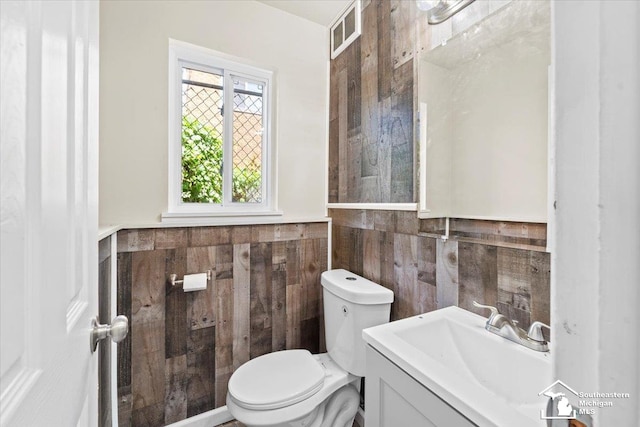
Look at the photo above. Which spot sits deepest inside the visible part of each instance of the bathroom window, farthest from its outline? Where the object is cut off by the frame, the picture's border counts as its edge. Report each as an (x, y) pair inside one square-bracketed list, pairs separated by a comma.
[(346, 28), (219, 134)]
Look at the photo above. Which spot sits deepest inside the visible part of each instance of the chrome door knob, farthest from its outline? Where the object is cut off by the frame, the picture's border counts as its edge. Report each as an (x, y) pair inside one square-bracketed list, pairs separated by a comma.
[(117, 330)]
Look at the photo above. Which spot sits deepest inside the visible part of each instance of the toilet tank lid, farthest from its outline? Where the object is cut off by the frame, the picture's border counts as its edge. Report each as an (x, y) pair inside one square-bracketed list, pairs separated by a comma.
[(354, 288)]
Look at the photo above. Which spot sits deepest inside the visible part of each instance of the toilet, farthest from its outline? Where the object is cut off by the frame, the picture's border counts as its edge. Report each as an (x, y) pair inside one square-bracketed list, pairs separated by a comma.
[(294, 388)]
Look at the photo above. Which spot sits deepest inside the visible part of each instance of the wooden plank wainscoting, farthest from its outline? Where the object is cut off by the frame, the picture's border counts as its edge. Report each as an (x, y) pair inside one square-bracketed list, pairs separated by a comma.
[(503, 264), (264, 296)]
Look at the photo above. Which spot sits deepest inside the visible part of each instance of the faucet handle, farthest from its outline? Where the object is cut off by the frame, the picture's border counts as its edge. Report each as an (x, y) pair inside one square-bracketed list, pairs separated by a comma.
[(535, 331), (494, 311)]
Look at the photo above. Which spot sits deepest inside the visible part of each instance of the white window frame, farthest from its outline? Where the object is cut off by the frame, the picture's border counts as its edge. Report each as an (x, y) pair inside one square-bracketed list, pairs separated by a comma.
[(182, 54), (357, 7)]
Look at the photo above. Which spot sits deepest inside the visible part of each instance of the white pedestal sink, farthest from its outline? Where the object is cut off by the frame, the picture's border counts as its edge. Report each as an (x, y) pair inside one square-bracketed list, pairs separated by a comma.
[(487, 379)]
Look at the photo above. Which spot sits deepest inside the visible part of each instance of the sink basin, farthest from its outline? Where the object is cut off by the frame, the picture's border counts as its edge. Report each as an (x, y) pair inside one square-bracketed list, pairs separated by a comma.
[(490, 380)]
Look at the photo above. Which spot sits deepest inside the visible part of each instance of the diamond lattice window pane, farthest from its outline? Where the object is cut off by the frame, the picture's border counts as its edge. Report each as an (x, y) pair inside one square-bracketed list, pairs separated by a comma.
[(247, 141), (202, 136)]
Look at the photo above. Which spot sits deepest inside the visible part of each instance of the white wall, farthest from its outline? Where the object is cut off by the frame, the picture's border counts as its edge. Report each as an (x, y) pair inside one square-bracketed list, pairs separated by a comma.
[(595, 269), (133, 97)]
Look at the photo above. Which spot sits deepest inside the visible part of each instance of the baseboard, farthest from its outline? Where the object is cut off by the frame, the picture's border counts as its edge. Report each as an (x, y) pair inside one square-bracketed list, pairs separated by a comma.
[(212, 418)]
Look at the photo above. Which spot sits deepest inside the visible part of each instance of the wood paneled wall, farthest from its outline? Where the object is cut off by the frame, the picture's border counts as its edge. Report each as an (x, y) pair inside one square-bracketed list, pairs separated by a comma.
[(503, 264), (371, 128), (372, 159), (264, 296)]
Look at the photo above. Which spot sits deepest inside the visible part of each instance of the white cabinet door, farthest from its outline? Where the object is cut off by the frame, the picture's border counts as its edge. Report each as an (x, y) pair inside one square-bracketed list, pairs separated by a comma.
[(393, 398), (48, 200)]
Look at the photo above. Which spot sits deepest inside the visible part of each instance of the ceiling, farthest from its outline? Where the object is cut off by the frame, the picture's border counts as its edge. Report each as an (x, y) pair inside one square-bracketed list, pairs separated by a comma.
[(322, 12)]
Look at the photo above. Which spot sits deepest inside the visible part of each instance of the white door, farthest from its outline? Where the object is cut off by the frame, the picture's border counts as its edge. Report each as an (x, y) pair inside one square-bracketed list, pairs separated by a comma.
[(48, 167)]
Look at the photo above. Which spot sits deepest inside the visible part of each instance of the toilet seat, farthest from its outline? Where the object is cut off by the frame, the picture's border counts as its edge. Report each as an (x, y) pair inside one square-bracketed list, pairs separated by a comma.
[(335, 378), (276, 380)]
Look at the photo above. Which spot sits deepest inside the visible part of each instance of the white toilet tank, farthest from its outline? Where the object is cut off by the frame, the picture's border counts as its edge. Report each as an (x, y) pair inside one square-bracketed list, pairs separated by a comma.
[(351, 304)]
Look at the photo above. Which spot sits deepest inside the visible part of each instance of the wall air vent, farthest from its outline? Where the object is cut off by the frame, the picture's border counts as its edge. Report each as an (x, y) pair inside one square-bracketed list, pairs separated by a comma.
[(346, 28)]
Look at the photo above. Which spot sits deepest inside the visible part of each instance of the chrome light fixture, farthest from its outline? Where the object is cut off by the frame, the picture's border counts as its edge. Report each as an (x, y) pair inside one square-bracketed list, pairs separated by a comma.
[(440, 10)]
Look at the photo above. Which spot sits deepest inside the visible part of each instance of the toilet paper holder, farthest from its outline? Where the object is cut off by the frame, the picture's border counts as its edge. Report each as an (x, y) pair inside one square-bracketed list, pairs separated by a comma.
[(173, 279)]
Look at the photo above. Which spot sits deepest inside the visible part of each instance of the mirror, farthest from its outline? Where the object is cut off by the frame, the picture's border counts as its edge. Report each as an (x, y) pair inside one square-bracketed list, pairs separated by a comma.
[(484, 113)]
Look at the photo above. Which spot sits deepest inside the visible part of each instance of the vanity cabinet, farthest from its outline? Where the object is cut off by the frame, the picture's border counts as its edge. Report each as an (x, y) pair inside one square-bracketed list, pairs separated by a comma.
[(393, 398)]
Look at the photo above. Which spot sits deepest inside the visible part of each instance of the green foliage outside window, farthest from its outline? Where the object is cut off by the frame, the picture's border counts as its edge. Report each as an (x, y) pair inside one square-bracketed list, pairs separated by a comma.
[(201, 163), (202, 168), (246, 184)]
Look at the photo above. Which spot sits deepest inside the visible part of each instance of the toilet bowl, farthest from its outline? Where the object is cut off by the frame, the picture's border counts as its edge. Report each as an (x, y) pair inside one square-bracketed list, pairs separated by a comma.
[(271, 399), (295, 388)]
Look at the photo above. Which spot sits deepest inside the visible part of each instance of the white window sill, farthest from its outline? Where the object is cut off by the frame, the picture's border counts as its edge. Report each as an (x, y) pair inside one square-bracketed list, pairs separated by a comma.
[(222, 218)]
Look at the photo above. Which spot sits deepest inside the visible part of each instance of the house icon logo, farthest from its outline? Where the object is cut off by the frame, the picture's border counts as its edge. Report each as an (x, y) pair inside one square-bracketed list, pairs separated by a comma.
[(558, 392)]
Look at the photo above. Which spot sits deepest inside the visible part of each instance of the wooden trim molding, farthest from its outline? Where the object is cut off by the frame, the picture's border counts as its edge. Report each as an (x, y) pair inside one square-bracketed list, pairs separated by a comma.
[(375, 206)]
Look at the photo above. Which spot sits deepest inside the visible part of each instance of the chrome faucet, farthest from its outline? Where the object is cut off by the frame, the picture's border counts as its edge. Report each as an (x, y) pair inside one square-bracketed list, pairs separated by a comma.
[(500, 325)]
